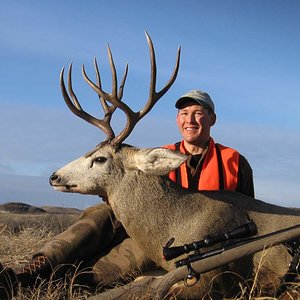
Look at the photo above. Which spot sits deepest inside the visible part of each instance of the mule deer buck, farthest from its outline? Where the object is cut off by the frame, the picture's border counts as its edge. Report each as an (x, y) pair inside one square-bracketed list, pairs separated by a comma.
[(150, 206)]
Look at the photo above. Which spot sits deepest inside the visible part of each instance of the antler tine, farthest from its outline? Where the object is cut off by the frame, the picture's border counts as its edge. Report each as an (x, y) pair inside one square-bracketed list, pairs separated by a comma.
[(108, 109), (120, 94), (134, 117), (113, 73), (70, 88), (115, 97), (153, 95), (75, 107)]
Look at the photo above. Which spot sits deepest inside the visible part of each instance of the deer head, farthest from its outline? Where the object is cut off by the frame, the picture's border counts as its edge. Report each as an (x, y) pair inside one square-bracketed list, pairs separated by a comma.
[(94, 172)]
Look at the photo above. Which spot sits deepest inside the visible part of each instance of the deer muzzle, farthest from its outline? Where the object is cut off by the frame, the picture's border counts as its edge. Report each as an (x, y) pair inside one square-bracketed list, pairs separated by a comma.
[(57, 183)]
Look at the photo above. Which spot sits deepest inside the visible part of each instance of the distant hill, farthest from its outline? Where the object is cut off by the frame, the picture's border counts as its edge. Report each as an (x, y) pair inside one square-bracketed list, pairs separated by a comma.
[(23, 208), (61, 210), (19, 207)]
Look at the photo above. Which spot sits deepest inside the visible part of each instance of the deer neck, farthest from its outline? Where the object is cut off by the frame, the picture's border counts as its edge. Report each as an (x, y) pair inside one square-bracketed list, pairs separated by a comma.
[(135, 192)]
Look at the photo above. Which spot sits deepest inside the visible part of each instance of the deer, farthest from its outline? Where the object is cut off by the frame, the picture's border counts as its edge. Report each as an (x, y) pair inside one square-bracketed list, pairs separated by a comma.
[(151, 207)]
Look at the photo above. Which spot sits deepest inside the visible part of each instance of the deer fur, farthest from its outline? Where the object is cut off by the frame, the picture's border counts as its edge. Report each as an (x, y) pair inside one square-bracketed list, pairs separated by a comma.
[(153, 209)]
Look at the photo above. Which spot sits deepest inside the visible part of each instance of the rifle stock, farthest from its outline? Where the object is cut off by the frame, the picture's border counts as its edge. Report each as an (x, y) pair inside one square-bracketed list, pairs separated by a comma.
[(158, 287)]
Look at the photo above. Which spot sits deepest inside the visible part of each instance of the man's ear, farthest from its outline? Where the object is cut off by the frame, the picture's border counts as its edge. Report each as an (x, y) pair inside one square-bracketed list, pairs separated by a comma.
[(177, 116), (213, 119)]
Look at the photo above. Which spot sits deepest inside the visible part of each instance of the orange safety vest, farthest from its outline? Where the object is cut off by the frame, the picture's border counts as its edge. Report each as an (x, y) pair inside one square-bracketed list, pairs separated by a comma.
[(219, 170)]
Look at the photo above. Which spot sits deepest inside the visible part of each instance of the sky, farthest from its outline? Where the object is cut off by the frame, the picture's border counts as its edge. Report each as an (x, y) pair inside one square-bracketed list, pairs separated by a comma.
[(245, 54)]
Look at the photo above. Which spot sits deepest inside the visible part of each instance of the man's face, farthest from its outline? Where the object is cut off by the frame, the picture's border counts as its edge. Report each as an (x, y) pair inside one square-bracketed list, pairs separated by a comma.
[(194, 123)]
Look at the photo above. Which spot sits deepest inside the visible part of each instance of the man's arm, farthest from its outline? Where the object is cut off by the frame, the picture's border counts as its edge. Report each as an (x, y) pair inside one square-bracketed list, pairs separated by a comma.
[(245, 178)]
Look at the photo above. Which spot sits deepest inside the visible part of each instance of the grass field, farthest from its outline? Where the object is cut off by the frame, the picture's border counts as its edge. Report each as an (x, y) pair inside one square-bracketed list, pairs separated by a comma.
[(21, 235)]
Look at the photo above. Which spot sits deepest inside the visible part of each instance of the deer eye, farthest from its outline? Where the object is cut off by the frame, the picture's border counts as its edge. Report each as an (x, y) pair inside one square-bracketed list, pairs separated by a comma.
[(100, 159)]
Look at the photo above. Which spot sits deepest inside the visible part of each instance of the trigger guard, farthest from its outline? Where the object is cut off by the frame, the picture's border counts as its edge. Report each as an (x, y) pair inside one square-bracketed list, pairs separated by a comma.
[(191, 278)]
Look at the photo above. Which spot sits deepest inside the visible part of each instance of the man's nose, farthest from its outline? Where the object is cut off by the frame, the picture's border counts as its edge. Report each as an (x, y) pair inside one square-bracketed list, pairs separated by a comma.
[(190, 118)]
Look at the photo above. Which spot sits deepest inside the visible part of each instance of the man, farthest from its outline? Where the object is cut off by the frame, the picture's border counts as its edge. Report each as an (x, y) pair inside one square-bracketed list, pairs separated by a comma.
[(210, 166), (99, 242)]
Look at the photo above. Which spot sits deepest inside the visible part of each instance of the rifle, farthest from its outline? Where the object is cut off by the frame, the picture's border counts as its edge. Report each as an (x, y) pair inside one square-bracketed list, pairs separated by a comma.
[(229, 239), (159, 286)]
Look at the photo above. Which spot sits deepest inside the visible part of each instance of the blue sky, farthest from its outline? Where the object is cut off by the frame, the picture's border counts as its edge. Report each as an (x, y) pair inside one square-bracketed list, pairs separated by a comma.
[(245, 54)]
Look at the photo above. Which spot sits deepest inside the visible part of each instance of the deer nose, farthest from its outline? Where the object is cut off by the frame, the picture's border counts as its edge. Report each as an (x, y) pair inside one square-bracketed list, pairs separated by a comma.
[(54, 179)]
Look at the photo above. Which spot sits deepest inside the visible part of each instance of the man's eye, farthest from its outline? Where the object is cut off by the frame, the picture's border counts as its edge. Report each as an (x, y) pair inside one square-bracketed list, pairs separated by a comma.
[(100, 159)]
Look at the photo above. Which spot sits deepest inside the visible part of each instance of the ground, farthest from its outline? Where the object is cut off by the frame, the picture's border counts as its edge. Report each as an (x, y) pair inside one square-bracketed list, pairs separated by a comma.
[(23, 233)]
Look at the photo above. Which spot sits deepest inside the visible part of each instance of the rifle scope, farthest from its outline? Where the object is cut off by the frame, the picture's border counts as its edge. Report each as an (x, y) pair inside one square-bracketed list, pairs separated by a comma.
[(247, 230)]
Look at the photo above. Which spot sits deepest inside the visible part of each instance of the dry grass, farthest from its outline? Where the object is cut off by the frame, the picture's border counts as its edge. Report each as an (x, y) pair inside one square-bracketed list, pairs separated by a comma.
[(21, 235)]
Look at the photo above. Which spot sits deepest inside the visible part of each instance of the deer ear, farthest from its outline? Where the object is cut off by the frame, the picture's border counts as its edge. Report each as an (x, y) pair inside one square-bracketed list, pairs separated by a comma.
[(158, 161)]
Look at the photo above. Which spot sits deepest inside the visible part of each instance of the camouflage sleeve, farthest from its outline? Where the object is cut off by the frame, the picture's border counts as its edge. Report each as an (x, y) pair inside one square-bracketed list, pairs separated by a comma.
[(125, 261), (95, 230)]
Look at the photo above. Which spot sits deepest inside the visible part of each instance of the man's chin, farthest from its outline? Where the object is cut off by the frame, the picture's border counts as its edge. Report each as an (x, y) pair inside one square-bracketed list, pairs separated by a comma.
[(193, 141)]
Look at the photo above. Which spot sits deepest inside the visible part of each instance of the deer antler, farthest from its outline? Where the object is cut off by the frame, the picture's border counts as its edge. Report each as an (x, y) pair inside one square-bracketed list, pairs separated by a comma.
[(115, 97), (75, 107)]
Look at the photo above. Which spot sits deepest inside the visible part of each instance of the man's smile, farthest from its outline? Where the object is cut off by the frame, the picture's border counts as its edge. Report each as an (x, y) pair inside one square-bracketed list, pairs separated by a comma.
[(191, 128)]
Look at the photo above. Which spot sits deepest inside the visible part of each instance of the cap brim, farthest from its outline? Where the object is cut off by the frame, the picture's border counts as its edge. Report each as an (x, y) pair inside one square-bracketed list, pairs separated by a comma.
[(185, 100)]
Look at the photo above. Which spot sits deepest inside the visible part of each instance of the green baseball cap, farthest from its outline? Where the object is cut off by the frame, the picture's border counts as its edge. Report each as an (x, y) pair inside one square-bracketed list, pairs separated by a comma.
[(198, 96)]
